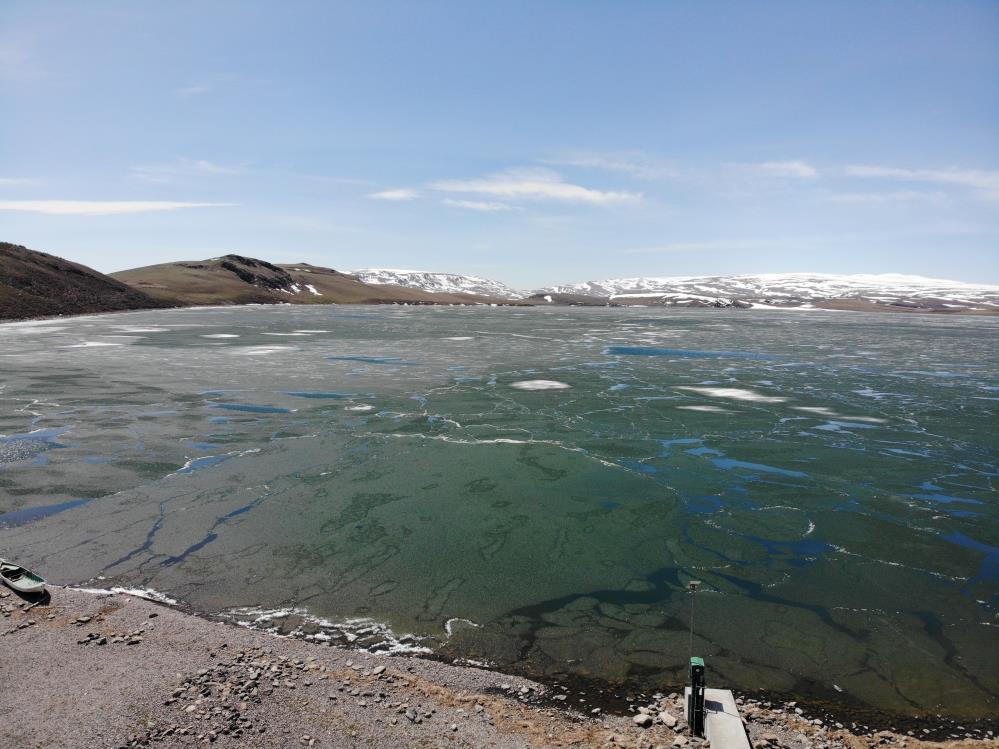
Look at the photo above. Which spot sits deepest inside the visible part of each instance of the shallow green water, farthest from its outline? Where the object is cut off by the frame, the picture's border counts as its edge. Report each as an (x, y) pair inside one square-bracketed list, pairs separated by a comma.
[(831, 477)]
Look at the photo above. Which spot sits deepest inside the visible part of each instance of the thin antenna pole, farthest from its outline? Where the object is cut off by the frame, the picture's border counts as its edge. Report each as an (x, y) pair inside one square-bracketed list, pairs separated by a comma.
[(692, 596), (692, 586)]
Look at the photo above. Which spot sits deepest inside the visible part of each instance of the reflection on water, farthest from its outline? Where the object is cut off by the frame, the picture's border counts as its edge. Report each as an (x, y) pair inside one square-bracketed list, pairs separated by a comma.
[(532, 488)]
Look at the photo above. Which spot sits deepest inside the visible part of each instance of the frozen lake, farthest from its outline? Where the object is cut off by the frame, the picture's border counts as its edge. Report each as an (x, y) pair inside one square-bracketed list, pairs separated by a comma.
[(532, 488)]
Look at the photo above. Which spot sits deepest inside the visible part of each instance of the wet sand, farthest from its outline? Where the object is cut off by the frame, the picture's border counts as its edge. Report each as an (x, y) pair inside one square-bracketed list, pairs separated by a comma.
[(85, 669)]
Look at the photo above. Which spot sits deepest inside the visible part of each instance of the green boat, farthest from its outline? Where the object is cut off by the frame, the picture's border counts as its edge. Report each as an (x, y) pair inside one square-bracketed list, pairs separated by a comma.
[(20, 579)]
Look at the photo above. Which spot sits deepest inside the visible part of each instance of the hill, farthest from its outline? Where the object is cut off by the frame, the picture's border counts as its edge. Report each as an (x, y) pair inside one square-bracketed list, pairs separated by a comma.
[(437, 283), (868, 292), (36, 284), (234, 279)]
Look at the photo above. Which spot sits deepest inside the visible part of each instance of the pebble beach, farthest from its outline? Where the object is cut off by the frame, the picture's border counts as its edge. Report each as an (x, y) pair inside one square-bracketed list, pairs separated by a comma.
[(102, 669)]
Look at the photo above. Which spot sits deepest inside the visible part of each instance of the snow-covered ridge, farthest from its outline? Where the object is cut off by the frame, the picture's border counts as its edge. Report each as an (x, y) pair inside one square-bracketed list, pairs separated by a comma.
[(794, 289), (438, 283)]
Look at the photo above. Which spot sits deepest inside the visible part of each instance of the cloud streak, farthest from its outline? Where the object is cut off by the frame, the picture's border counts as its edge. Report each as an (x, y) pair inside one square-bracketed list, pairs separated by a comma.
[(794, 168), (398, 195), (634, 165), (478, 205), (99, 207), (977, 179), (19, 182), (531, 185), (162, 173)]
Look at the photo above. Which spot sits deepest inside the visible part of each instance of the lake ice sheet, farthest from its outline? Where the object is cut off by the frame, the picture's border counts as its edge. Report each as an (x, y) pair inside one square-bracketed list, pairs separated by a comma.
[(380, 474)]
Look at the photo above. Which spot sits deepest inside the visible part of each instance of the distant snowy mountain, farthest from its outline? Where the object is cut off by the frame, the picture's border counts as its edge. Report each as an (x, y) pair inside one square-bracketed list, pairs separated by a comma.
[(438, 283), (790, 290)]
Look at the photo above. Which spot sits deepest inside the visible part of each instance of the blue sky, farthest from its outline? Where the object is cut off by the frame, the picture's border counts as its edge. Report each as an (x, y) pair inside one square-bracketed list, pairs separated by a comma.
[(534, 143)]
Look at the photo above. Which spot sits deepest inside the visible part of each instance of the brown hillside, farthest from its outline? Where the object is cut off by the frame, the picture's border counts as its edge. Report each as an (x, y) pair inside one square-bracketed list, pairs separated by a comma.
[(234, 279), (36, 284)]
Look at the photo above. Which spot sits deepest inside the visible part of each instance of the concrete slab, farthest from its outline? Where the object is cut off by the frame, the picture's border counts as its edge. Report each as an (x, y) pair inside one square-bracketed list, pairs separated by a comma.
[(722, 722)]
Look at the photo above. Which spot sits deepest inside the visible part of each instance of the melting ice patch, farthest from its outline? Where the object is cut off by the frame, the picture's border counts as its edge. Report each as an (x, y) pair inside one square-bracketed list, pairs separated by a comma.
[(264, 350), (707, 409), (28, 515), (148, 593), (220, 335), (366, 634), (250, 408), (449, 624), (92, 344), (738, 394), (830, 414), (207, 461), (540, 385), (683, 353), (373, 360)]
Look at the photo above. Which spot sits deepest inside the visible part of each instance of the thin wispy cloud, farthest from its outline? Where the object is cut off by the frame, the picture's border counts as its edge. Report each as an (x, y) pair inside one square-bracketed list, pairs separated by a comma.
[(635, 165), (977, 179), (185, 168), (399, 194), (794, 168), (20, 182), (478, 205), (533, 184), (99, 207)]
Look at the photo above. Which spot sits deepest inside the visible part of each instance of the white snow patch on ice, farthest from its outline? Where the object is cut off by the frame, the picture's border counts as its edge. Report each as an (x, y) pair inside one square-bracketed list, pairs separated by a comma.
[(264, 350), (829, 413), (737, 394), (540, 385), (706, 409)]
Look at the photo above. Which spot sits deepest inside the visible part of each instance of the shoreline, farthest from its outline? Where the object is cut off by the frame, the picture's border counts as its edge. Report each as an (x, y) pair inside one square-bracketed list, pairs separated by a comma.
[(111, 669), (611, 698), (516, 304)]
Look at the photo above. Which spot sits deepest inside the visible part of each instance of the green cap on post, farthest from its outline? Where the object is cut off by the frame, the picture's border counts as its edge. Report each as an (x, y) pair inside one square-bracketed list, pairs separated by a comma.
[(697, 670)]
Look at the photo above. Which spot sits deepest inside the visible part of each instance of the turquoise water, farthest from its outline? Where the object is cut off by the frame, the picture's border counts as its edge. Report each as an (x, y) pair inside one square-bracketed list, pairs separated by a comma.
[(533, 488)]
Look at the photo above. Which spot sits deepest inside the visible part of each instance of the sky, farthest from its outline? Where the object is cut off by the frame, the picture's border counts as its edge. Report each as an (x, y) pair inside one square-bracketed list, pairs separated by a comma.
[(535, 142)]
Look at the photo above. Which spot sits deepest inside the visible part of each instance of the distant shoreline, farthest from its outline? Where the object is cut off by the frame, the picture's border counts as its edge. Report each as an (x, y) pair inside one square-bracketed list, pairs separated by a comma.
[(671, 310)]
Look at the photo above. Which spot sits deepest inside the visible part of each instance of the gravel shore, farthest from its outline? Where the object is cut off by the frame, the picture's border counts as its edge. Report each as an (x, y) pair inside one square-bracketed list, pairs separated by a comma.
[(85, 669)]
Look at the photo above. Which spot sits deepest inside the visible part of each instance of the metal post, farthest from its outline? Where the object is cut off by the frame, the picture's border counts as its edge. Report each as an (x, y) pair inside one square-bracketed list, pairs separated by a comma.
[(695, 703)]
